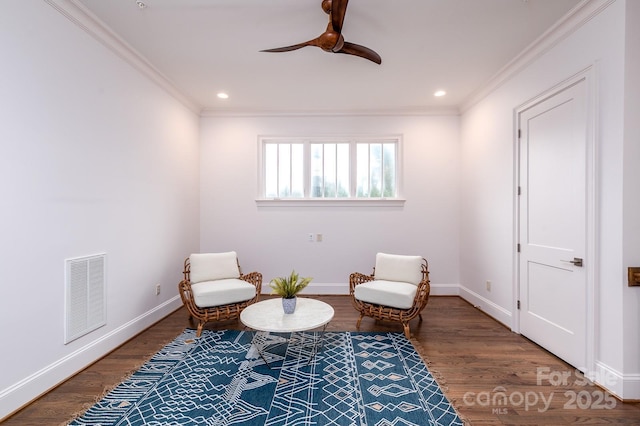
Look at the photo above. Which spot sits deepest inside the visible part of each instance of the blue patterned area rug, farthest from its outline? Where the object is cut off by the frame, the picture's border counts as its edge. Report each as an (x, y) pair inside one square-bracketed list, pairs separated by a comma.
[(221, 379)]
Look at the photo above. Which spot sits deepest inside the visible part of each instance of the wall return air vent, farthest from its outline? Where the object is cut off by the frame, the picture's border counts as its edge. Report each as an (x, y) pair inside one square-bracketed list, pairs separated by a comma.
[(85, 299)]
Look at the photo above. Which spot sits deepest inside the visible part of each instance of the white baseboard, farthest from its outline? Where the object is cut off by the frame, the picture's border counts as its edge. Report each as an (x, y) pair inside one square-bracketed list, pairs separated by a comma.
[(631, 387), (624, 386), (327, 288), (608, 378), (23, 392), (343, 289), (318, 289), (497, 312), (445, 290)]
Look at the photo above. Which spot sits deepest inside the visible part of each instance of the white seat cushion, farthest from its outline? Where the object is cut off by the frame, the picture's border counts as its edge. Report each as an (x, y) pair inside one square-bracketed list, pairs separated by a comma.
[(387, 293), (395, 267), (213, 266), (222, 292)]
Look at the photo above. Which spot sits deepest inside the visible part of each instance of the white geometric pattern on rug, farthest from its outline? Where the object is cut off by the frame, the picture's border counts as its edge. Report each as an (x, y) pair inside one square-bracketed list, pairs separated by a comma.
[(374, 379), (402, 406), (391, 390)]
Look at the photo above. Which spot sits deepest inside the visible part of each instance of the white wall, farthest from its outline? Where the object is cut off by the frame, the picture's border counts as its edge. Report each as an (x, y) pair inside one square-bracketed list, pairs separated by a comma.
[(95, 158), (273, 240), (487, 219), (631, 224)]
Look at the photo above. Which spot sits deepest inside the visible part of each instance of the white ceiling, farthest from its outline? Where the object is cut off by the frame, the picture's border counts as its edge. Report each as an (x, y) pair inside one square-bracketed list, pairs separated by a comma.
[(207, 46)]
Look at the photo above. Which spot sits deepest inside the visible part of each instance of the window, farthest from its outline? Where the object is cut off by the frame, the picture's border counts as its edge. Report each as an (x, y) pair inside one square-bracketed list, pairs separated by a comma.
[(329, 168)]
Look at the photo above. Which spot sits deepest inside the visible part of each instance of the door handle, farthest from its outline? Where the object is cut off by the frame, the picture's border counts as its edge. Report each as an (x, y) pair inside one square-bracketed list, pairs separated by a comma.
[(576, 261)]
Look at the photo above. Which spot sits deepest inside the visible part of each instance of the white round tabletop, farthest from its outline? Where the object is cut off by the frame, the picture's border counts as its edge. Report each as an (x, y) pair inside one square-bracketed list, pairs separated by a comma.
[(268, 315)]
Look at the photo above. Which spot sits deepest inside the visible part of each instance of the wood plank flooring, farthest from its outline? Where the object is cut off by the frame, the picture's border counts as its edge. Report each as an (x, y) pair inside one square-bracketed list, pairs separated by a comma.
[(491, 375)]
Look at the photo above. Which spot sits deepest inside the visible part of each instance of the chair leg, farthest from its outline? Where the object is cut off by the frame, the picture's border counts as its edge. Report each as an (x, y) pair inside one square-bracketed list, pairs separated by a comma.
[(359, 321), (406, 330), (199, 331)]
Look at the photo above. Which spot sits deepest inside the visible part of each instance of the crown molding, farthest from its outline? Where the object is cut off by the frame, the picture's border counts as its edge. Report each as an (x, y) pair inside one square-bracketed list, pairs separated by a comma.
[(401, 112), (87, 21), (572, 21)]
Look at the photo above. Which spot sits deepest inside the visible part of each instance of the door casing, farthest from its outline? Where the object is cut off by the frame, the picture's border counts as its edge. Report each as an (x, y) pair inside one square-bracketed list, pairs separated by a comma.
[(591, 259)]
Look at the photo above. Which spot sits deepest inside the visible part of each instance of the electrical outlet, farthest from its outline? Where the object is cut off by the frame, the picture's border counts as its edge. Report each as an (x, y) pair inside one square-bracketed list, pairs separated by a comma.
[(157, 289), (488, 285), (310, 237), (319, 238)]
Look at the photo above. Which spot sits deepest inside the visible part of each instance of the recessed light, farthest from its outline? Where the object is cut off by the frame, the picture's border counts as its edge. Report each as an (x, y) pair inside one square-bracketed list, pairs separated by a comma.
[(440, 93), (141, 4), (223, 95)]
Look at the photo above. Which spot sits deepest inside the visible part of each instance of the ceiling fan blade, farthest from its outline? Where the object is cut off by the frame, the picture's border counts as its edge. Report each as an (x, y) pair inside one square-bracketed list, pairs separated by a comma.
[(313, 42), (338, 10), (331, 40), (363, 52)]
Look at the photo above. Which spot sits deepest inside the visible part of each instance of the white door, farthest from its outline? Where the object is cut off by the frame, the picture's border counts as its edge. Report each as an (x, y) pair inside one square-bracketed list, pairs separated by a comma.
[(552, 223)]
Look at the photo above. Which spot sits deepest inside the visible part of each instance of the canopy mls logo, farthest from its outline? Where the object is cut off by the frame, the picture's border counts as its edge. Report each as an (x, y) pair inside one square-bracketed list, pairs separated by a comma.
[(500, 400)]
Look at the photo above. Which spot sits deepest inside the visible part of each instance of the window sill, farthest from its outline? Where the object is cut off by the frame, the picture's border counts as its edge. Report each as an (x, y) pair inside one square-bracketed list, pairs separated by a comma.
[(330, 202)]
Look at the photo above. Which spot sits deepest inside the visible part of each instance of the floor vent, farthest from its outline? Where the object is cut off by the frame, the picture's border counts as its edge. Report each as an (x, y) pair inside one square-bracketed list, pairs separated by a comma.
[(85, 305)]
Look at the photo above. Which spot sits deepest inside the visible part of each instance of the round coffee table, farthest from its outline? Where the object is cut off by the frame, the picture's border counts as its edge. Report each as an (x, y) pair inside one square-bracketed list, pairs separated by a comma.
[(269, 317)]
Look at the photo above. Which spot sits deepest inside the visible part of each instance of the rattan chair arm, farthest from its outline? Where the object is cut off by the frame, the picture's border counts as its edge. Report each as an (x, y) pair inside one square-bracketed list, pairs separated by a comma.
[(422, 297), (254, 278), (423, 291), (184, 288), (357, 278), (186, 272)]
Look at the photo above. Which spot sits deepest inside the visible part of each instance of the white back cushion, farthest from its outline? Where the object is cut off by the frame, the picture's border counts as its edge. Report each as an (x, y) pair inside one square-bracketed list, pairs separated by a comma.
[(394, 267), (213, 266)]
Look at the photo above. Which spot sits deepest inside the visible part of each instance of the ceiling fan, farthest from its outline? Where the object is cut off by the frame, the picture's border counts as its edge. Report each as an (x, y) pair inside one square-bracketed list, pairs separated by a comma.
[(332, 40)]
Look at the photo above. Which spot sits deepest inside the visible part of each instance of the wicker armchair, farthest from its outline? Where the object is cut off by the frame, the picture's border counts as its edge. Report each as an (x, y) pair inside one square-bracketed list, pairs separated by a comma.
[(397, 290), (215, 289)]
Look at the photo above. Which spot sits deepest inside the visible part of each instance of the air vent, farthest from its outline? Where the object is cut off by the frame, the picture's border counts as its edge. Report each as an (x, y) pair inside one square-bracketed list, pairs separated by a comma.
[(85, 307)]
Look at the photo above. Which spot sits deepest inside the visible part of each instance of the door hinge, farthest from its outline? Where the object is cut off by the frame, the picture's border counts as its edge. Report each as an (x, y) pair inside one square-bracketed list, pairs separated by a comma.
[(519, 133), (518, 304), (518, 247), (519, 190)]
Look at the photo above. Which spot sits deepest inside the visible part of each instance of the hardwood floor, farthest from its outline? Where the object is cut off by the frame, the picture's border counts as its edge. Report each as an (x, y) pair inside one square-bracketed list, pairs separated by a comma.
[(491, 375)]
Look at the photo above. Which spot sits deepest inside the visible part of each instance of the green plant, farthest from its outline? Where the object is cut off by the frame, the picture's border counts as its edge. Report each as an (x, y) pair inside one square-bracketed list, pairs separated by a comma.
[(288, 287)]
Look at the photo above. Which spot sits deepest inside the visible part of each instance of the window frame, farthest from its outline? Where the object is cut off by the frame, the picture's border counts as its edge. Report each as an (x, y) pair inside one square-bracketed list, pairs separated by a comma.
[(352, 200)]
